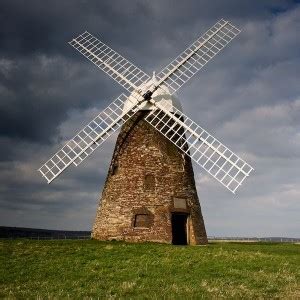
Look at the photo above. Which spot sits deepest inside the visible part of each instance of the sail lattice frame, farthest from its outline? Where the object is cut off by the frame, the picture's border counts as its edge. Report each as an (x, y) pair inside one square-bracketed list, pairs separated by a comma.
[(108, 60), (196, 56), (90, 137), (208, 152), (225, 166)]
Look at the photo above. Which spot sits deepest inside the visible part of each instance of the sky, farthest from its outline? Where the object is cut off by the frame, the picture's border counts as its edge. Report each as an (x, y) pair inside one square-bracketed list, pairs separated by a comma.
[(248, 97)]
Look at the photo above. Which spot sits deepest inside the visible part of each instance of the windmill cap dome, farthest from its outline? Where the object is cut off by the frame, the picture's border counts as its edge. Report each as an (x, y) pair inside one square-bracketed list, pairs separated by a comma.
[(162, 95)]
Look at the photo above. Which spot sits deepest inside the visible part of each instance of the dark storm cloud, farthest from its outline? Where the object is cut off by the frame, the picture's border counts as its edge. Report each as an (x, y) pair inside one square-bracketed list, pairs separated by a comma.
[(38, 91), (40, 81), (248, 96), (33, 32), (32, 27)]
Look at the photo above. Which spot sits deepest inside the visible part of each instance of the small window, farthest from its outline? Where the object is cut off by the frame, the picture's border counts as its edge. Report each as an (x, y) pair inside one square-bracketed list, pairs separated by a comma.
[(141, 220), (149, 182)]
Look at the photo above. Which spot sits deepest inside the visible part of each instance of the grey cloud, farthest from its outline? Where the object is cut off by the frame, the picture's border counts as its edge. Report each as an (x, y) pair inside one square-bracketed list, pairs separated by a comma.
[(39, 91), (248, 97)]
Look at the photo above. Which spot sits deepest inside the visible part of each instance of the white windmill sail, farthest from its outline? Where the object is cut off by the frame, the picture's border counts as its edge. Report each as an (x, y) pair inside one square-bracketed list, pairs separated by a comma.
[(196, 56), (220, 162), (90, 137), (225, 166), (112, 63)]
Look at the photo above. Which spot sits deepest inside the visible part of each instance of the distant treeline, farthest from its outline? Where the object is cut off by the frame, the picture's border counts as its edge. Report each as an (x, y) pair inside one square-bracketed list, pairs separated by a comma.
[(34, 233), (19, 232), (256, 239)]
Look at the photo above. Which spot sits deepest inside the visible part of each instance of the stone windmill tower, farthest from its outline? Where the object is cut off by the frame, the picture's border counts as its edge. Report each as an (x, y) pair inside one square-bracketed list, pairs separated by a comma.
[(150, 192)]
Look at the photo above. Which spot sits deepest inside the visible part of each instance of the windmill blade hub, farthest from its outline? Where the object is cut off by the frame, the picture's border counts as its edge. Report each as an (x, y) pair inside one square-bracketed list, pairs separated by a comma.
[(161, 95)]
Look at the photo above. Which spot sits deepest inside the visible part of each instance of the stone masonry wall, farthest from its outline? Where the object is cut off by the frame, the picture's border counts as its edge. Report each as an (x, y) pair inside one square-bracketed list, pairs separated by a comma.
[(146, 174)]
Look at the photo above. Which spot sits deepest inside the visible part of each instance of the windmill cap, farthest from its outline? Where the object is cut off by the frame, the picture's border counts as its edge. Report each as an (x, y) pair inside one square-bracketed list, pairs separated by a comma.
[(162, 95)]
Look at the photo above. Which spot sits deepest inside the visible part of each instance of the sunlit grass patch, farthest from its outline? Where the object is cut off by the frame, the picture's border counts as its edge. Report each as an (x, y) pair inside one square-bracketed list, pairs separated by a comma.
[(78, 269)]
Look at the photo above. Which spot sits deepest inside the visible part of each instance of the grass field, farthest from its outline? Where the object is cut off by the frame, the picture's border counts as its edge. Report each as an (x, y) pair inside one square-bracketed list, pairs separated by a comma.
[(77, 269)]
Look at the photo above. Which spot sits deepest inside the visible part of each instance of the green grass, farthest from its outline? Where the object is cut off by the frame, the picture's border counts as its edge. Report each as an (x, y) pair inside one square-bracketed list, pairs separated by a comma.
[(92, 269)]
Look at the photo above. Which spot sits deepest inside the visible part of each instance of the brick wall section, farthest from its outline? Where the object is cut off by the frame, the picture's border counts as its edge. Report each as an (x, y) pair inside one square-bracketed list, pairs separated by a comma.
[(141, 154)]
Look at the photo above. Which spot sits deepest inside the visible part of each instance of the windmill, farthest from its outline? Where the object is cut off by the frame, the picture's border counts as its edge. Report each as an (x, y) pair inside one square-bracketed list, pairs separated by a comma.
[(150, 193)]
